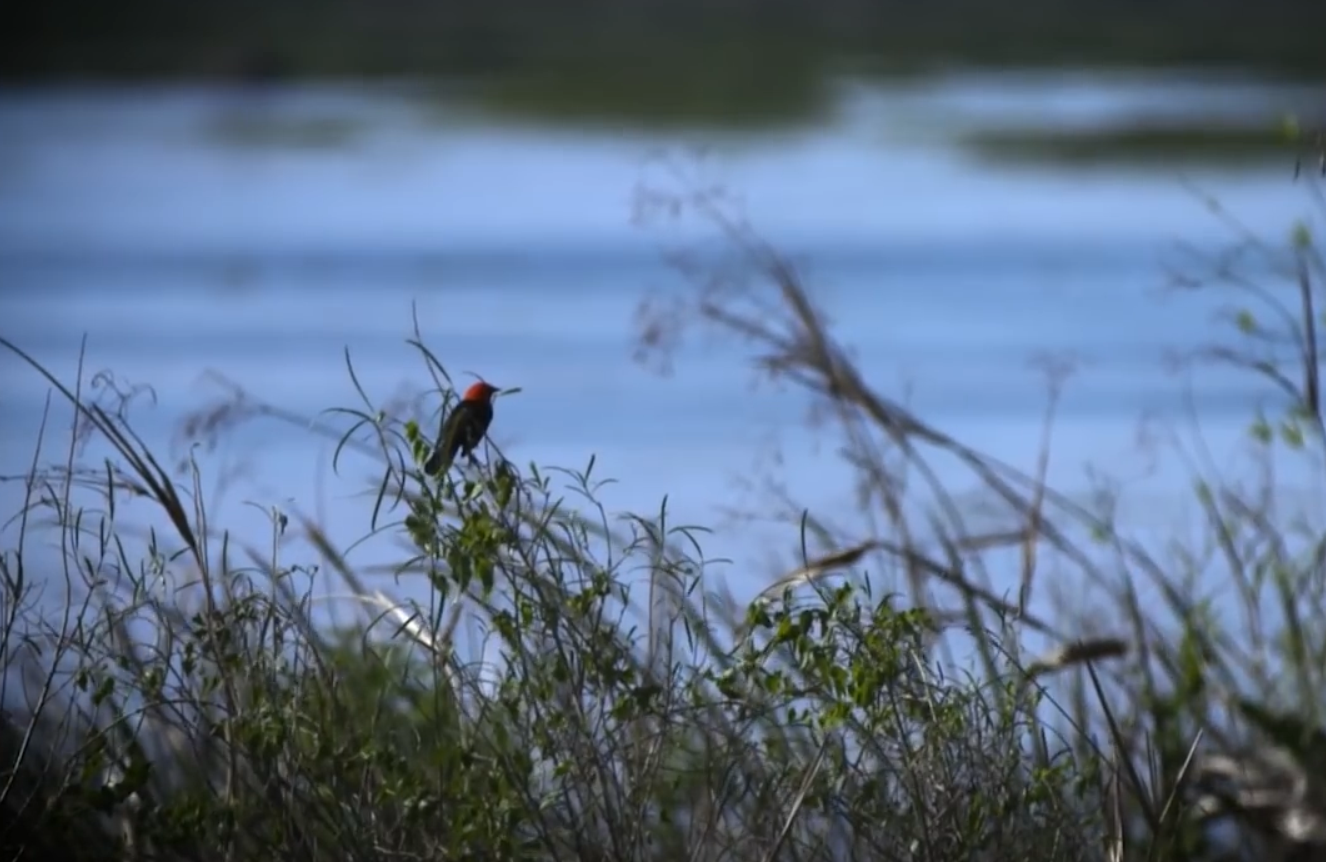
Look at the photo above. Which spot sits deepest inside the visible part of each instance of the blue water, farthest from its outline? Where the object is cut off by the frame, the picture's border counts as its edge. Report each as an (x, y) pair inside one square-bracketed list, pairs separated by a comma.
[(127, 217)]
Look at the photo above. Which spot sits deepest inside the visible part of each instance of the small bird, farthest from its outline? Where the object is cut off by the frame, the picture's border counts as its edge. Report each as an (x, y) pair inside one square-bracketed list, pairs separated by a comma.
[(463, 430)]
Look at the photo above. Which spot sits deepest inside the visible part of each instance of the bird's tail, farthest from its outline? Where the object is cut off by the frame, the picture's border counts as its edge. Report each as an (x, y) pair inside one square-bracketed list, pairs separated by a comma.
[(438, 462)]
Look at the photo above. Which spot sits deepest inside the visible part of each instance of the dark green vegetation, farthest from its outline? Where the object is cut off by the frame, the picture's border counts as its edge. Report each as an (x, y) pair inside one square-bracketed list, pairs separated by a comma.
[(1139, 144), (882, 701), (734, 62)]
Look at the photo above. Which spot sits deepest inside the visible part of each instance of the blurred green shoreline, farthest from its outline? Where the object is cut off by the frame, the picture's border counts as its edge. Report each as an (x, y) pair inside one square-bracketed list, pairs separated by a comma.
[(1135, 144), (755, 48), (743, 66)]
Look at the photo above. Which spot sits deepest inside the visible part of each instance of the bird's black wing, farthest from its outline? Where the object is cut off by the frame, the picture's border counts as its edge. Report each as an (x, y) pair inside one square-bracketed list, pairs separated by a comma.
[(448, 441), (462, 431)]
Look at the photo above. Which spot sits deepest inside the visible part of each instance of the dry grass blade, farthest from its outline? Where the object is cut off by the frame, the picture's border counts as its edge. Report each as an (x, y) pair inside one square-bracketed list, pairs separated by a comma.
[(1180, 781), (812, 772), (1270, 790), (1076, 653), (1115, 834), (820, 567), (1138, 788)]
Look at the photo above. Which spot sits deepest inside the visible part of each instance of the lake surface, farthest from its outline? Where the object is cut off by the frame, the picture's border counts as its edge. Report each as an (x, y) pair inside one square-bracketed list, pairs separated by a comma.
[(262, 235)]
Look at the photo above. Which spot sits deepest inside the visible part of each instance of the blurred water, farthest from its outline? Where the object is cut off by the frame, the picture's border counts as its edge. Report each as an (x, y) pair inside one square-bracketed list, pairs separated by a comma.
[(145, 221)]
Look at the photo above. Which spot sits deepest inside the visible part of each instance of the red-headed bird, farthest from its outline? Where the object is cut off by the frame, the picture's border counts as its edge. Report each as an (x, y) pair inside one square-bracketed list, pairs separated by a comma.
[(463, 430)]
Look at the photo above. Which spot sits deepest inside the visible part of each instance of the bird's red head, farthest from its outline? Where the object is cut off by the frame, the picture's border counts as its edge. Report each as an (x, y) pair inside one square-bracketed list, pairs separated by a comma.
[(480, 391)]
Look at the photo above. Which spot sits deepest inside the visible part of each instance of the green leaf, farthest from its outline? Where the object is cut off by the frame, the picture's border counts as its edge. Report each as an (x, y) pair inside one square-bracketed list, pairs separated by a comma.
[(1290, 128), (1261, 430), (1301, 236), (1291, 432)]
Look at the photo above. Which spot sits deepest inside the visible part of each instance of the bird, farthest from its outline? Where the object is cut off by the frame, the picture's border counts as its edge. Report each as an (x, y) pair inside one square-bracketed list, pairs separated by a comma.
[(463, 429)]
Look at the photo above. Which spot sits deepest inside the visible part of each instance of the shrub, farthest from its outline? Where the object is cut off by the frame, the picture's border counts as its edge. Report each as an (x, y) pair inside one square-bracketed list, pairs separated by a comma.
[(187, 703)]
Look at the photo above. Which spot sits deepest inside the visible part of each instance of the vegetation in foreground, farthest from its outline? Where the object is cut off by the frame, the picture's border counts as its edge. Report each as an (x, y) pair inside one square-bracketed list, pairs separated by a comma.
[(189, 708)]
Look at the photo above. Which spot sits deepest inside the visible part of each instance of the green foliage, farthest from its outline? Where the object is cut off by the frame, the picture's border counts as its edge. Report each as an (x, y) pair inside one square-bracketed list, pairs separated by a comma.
[(575, 686), (681, 62)]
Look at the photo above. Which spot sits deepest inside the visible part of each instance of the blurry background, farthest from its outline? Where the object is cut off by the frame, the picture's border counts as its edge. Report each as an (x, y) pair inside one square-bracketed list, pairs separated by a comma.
[(254, 188)]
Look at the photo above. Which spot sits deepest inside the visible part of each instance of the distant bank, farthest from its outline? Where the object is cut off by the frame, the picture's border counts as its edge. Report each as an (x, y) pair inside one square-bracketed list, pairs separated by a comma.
[(689, 62), (658, 57)]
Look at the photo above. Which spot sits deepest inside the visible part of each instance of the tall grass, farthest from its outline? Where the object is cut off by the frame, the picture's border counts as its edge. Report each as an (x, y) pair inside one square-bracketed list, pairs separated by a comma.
[(184, 703)]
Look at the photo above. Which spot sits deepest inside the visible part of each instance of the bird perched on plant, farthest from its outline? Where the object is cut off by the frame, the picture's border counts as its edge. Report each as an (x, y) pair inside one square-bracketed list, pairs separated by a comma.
[(463, 430)]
